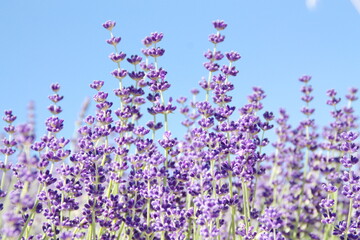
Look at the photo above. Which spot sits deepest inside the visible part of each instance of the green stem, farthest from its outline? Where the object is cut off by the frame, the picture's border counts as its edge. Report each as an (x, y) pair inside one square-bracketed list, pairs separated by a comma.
[(93, 219), (213, 181), (246, 203), (209, 77), (121, 229), (194, 224), (166, 121), (32, 213), (3, 178), (148, 208), (348, 219), (232, 226)]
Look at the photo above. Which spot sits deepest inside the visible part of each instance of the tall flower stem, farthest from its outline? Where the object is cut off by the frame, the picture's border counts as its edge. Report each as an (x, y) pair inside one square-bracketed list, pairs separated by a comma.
[(246, 205), (148, 207), (257, 168), (210, 75), (27, 227), (349, 219), (3, 178)]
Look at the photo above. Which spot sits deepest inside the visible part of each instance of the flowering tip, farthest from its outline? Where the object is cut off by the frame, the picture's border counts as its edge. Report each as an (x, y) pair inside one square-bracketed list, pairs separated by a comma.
[(147, 41), (9, 117), (195, 91), (305, 78), (97, 84), (156, 37), (55, 87), (219, 25), (109, 25)]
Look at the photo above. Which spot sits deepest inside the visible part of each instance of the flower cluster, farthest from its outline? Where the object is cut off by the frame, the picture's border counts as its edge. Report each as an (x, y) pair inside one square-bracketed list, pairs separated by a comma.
[(123, 175)]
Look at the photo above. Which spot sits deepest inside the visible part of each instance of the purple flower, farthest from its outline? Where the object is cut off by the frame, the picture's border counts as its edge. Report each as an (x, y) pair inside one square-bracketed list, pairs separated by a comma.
[(134, 59), (55, 87), (137, 75), (229, 70), (55, 109), (340, 228), (156, 37), (159, 86), (119, 74), (305, 78), (271, 219), (327, 203), (97, 84), (46, 178), (54, 124), (219, 181), (147, 41), (219, 25), (56, 98), (147, 67), (113, 41), (351, 96), (117, 57), (167, 142), (100, 97), (195, 91), (211, 56), (109, 25), (9, 117), (155, 52), (181, 100), (216, 38), (9, 143), (212, 67), (232, 56)]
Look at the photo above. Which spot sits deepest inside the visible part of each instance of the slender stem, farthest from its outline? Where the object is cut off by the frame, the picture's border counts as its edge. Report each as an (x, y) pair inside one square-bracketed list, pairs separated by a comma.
[(166, 121), (3, 178), (93, 218), (148, 207), (246, 202), (209, 77), (274, 231), (194, 224), (232, 226), (121, 229), (257, 168), (213, 181), (349, 218)]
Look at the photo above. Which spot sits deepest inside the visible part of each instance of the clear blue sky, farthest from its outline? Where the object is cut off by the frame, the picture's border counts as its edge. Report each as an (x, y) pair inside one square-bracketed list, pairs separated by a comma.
[(279, 40)]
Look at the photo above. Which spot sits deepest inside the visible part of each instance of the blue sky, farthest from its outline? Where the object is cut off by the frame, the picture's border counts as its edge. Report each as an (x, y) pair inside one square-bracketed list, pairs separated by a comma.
[(280, 40)]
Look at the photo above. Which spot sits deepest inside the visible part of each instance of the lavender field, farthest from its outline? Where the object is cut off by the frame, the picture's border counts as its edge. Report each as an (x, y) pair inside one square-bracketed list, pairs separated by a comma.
[(124, 175)]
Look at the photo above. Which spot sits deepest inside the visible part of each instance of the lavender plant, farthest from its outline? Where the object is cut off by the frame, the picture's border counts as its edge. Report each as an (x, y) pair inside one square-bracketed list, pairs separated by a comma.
[(126, 177)]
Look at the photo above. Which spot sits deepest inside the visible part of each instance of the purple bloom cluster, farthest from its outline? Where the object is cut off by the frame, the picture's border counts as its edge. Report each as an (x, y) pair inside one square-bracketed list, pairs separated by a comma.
[(124, 176)]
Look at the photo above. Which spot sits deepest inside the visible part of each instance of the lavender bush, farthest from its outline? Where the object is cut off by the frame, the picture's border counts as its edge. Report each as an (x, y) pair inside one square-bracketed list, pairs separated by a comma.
[(124, 176)]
